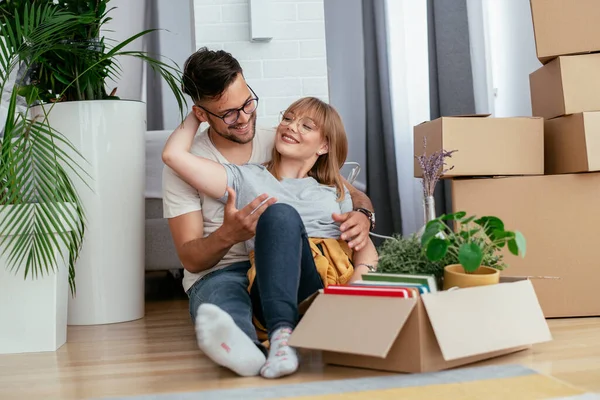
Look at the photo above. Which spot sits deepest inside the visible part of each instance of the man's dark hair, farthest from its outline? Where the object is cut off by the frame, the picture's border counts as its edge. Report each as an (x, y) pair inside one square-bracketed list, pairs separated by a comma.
[(207, 73)]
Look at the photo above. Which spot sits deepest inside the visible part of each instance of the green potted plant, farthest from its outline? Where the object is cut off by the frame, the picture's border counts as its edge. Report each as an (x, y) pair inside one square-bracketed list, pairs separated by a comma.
[(405, 255), (472, 239), (56, 182)]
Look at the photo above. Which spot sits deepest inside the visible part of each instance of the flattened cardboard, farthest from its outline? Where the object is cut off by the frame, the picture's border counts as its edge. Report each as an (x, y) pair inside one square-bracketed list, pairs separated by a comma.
[(572, 143), (351, 324), (508, 315), (564, 27), (485, 146), (566, 85), (557, 215)]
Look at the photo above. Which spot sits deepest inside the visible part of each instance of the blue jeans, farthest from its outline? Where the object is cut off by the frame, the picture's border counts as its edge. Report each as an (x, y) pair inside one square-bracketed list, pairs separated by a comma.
[(226, 288), (285, 276), (285, 268)]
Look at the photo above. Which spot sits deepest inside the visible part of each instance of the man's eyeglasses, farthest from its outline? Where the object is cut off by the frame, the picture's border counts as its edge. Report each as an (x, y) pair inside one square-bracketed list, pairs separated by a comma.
[(231, 116)]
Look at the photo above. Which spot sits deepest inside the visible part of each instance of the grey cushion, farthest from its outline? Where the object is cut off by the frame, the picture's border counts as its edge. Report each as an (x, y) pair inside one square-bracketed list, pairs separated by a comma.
[(160, 250)]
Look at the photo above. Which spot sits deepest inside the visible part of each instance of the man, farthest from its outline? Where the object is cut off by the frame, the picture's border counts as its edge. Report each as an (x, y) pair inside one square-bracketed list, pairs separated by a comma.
[(208, 236)]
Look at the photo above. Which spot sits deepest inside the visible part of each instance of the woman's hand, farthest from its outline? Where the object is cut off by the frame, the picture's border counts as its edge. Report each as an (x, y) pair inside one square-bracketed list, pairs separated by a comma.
[(359, 270)]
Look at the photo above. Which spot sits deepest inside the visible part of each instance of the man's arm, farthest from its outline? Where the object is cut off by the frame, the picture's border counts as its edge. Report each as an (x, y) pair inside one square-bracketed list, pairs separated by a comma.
[(355, 226), (195, 252), (359, 199), (199, 253)]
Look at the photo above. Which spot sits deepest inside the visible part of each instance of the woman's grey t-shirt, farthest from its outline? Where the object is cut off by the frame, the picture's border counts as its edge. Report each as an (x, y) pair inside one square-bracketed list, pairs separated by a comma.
[(314, 202)]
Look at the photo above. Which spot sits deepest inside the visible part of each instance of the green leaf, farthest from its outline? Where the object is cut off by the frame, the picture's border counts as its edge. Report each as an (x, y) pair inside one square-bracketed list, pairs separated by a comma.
[(517, 244), (500, 238), (468, 234), (470, 256), (521, 243), (436, 249), (466, 221), (513, 247), (491, 225), (451, 217), (432, 228)]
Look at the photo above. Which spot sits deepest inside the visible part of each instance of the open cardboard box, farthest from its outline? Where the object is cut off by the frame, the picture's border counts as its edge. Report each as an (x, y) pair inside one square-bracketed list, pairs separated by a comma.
[(433, 332)]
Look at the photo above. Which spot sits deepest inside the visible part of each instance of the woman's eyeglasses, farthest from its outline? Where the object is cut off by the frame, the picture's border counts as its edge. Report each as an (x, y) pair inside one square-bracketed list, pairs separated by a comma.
[(305, 124)]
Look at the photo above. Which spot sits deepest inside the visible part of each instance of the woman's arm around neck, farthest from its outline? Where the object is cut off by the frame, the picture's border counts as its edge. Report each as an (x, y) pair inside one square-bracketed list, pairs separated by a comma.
[(207, 176)]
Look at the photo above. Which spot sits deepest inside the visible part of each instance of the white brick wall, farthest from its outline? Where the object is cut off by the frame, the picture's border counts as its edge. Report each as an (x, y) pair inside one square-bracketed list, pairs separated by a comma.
[(291, 66)]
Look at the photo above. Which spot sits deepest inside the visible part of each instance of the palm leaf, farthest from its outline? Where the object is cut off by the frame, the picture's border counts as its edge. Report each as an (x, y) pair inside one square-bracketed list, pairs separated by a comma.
[(64, 59), (56, 221), (43, 219)]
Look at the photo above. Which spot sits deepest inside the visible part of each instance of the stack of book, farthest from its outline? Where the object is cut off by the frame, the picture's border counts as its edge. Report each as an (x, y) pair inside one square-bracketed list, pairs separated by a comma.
[(387, 285)]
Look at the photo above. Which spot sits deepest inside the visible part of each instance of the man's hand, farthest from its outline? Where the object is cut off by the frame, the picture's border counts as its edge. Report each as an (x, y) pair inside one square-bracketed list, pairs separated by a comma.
[(355, 228), (240, 225)]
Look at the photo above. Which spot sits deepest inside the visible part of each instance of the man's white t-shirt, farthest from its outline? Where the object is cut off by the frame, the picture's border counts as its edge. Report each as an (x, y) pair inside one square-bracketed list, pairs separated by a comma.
[(180, 198)]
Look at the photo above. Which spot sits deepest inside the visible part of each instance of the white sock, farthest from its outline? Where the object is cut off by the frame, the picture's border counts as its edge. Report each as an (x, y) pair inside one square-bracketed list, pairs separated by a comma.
[(225, 343), (282, 359)]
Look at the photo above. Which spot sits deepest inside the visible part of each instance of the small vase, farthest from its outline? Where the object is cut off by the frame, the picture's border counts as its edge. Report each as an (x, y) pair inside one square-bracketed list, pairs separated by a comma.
[(428, 213)]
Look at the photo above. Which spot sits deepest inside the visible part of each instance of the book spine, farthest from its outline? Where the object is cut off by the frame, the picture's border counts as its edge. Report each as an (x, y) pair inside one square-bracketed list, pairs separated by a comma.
[(366, 292)]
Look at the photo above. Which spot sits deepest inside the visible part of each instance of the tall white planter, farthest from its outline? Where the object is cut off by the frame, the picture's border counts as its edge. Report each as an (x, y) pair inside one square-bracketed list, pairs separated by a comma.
[(33, 312), (110, 271)]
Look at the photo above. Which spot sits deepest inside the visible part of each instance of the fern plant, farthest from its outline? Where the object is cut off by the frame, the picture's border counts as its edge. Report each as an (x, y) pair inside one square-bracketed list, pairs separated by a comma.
[(50, 52)]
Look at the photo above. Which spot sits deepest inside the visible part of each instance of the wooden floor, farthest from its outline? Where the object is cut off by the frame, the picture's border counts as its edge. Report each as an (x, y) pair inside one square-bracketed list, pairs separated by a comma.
[(158, 354)]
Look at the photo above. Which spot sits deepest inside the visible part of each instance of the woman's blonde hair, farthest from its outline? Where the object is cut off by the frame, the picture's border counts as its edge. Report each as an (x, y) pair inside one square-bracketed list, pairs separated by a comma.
[(326, 170)]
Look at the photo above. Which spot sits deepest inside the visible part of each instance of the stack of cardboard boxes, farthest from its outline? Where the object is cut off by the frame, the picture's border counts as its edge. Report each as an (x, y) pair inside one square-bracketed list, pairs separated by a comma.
[(540, 174)]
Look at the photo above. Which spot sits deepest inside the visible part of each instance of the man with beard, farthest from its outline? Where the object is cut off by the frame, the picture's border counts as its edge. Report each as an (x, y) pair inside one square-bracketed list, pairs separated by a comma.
[(208, 236)]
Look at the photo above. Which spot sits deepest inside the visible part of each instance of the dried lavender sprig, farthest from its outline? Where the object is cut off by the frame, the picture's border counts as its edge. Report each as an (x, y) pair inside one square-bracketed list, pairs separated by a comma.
[(433, 167)]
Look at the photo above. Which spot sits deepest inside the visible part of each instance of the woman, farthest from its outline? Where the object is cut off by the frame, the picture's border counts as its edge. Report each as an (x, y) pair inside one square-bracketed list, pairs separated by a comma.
[(297, 249)]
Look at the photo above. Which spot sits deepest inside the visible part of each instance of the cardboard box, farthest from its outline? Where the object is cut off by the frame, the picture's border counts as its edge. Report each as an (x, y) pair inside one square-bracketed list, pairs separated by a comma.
[(572, 143), (567, 85), (558, 216), (564, 27), (485, 146), (433, 332)]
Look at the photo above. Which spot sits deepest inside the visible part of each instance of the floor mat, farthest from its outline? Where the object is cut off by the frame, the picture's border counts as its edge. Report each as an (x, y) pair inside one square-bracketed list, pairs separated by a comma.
[(489, 382)]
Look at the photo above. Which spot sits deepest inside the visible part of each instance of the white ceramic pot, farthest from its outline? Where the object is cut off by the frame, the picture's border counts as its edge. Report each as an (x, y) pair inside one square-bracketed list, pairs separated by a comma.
[(33, 311), (129, 17), (110, 271)]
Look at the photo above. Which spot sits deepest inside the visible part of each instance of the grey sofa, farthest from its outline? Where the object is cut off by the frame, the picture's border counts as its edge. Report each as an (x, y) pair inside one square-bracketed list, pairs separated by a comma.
[(160, 250)]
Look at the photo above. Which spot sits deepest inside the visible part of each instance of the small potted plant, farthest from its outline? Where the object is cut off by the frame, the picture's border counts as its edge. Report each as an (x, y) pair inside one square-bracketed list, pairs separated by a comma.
[(406, 255), (472, 239)]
